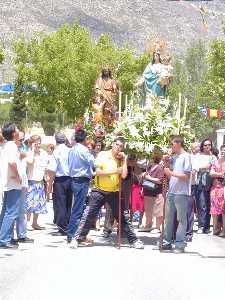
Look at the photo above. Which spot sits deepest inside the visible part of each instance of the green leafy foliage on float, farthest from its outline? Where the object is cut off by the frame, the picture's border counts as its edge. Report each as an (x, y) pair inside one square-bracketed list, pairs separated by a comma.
[(145, 130)]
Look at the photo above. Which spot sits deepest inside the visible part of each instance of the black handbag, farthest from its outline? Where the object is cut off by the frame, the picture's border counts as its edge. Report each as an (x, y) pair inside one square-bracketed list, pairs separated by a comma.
[(151, 188)]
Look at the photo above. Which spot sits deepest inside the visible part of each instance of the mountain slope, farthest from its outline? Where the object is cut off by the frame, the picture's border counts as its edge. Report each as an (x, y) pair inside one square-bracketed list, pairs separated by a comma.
[(127, 21)]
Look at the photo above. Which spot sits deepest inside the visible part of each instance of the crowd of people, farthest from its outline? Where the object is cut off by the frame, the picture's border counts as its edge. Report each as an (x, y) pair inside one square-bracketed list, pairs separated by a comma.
[(81, 177)]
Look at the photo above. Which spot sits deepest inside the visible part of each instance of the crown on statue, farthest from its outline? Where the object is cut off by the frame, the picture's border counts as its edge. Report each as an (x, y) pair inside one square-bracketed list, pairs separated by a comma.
[(156, 43), (106, 67)]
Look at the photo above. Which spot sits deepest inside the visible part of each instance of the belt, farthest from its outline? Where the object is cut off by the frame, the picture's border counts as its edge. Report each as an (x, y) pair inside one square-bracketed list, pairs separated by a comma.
[(81, 179), (61, 178)]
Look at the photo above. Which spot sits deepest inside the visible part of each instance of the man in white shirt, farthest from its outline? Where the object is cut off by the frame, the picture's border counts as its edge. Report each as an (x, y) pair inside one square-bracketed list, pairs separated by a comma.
[(11, 175)]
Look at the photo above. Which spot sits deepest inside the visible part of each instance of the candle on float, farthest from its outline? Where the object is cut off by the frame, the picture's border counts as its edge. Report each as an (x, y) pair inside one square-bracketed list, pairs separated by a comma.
[(120, 104)]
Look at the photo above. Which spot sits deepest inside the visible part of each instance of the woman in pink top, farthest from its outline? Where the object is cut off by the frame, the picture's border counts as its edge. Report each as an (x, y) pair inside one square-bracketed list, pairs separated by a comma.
[(217, 192)]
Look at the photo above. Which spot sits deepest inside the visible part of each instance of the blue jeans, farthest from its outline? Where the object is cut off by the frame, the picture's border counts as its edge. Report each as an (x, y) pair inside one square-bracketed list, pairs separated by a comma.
[(21, 229), (176, 204), (80, 191), (9, 213)]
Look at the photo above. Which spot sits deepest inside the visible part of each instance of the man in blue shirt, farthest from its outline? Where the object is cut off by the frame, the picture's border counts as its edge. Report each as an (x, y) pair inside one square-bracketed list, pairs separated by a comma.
[(179, 174), (81, 165), (58, 170)]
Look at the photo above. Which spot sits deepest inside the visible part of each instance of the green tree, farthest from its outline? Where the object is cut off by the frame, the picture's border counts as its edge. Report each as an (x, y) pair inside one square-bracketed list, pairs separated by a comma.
[(4, 113), (18, 107), (60, 69), (190, 79), (2, 56), (49, 118), (212, 93)]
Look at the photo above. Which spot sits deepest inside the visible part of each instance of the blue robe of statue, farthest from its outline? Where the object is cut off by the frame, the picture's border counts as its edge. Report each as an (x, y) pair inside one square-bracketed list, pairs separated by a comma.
[(151, 76)]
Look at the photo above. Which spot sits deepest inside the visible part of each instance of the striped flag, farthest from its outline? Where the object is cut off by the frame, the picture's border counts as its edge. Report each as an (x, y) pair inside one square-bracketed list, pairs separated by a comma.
[(214, 113), (211, 112)]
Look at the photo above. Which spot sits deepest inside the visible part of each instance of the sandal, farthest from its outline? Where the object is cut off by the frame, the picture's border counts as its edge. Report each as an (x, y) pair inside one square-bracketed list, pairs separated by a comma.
[(37, 227)]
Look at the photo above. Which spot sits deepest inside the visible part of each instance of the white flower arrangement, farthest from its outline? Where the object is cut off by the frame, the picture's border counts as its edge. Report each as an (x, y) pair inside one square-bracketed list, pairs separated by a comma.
[(143, 131)]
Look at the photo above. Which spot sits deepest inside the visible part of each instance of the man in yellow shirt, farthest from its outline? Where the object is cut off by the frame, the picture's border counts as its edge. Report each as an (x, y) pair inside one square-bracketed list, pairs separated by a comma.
[(111, 166)]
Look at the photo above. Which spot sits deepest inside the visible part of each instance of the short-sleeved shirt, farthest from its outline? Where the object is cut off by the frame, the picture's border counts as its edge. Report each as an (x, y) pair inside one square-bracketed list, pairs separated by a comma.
[(36, 171), (106, 162), (81, 162), (201, 160), (10, 154), (58, 162), (181, 164), (155, 171)]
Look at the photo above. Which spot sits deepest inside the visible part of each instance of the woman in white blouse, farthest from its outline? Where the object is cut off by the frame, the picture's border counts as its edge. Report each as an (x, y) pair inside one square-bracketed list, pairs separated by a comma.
[(36, 161)]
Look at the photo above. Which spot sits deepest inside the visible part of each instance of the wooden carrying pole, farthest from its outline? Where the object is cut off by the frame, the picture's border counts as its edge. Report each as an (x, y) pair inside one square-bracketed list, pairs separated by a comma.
[(119, 213), (164, 193)]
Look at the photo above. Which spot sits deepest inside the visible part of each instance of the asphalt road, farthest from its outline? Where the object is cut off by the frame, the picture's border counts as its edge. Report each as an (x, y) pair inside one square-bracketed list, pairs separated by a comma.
[(49, 270)]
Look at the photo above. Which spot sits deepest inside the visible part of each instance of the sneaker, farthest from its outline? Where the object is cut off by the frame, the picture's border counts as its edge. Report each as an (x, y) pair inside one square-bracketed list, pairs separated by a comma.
[(222, 235), (14, 242), (206, 231), (166, 247), (155, 231), (29, 227), (178, 250), (137, 245), (73, 244), (188, 239), (9, 246), (25, 240), (58, 233), (200, 231), (106, 235)]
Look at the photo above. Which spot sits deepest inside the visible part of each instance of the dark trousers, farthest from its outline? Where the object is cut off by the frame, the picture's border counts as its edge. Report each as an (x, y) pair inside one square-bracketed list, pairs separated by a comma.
[(190, 212), (203, 208), (62, 201), (97, 199), (109, 219)]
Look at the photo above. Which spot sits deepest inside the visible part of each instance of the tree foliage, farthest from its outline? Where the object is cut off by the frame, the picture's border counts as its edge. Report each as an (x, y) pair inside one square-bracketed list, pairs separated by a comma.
[(190, 79), (5, 113), (2, 56), (59, 69), (18, 107)]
